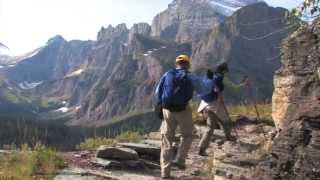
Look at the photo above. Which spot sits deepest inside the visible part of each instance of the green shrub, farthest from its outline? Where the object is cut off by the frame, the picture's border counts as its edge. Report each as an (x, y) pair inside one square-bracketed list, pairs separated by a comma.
[(94, 143), (129, 137)]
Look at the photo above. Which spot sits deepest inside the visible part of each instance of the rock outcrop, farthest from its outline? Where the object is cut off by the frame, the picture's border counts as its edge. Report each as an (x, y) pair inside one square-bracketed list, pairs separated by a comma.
[(296, 110), (140, 28), (120, 31)]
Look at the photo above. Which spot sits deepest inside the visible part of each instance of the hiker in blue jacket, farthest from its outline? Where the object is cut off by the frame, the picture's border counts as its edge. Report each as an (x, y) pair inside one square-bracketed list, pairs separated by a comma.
[(173, 93)]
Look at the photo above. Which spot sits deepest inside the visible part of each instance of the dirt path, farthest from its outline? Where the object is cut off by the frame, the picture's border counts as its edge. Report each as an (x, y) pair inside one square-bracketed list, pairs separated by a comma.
[(226, 160)]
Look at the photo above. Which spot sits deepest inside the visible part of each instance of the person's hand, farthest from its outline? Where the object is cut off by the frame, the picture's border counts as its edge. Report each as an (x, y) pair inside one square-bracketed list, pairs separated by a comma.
[(246, 82)]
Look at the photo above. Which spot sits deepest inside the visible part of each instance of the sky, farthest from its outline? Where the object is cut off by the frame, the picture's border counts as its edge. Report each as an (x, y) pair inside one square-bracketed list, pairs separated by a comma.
[(28, 24)]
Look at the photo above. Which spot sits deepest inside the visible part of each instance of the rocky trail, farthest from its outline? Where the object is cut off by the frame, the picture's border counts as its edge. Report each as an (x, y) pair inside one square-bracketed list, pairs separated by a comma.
[(226, 160)]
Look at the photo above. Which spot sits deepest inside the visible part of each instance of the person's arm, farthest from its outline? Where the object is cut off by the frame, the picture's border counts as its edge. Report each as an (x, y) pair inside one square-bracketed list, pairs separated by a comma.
[(235, 86), (199, 84)]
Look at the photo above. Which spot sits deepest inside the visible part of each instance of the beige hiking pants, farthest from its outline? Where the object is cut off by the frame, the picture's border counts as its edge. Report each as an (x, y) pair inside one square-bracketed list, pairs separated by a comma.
[(213, 122), (170, 122)]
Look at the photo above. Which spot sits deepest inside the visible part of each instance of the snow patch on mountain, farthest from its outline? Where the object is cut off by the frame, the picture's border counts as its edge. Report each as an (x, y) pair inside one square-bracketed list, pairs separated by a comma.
[(11, 65), (75, 73), (228, 7), (26, 85)]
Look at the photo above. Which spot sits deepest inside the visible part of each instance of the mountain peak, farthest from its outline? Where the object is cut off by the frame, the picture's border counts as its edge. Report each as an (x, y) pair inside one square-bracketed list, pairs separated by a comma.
[(109, 32), (56, 39)]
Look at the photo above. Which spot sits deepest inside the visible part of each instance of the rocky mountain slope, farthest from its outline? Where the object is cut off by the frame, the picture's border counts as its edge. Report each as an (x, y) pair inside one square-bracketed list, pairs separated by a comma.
[(146, 58), (50, 62), (246, 41), (116, 75), (296, 110), (188, 20)]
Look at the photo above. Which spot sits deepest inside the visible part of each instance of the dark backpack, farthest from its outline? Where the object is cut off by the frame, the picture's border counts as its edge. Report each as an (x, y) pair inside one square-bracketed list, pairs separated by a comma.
[(178, 90)]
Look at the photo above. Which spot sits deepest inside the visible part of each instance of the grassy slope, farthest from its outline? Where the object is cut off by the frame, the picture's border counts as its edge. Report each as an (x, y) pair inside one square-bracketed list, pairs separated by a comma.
[(26, 163)]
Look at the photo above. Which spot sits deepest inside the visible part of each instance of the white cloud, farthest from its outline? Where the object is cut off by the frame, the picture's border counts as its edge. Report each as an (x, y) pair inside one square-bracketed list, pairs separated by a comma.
[(28, 24)]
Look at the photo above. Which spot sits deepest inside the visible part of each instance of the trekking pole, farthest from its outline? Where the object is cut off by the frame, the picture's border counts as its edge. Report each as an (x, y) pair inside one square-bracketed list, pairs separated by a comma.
[(254, 102)]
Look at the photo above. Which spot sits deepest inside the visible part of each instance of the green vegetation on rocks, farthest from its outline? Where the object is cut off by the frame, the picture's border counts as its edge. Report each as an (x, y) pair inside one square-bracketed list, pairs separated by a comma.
[(94, 143)]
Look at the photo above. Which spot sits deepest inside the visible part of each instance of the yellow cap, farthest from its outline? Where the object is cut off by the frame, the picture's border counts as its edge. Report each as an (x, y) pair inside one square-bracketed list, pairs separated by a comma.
[(182, 58)]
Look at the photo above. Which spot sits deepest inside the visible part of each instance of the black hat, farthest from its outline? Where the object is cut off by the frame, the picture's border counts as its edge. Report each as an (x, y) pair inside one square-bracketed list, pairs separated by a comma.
[(222, 68)]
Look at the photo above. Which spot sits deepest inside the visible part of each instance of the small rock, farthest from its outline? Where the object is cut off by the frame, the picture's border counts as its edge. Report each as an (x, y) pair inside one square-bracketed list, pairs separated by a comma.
[(117, 153), (107, 164), (195, 172)]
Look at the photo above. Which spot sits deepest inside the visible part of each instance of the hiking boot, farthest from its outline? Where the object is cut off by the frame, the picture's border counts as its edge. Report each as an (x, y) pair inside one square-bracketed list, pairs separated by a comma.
[(166, 178), (178, 165), (202, 153), (231, 138)]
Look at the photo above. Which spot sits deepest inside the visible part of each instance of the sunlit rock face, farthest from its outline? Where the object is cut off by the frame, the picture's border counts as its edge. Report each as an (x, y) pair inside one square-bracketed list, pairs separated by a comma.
[(296, 83), (296, 110), (189, 20)]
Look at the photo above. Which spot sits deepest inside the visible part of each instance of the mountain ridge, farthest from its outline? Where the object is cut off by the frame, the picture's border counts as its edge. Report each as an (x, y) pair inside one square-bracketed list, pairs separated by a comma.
[(117, 74)]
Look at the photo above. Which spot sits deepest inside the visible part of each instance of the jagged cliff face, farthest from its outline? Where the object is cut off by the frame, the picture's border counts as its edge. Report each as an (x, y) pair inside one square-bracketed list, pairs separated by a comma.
[(296, 110), (187, 20), (296, 82), (127, 85), (246, 42)]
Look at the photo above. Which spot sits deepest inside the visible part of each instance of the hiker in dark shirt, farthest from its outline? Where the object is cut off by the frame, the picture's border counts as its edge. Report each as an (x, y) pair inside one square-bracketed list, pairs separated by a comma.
[(210, 103)]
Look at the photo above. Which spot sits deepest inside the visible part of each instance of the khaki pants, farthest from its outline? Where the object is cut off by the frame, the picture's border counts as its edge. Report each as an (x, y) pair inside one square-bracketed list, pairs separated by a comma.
[(213, 122), (170, 122)]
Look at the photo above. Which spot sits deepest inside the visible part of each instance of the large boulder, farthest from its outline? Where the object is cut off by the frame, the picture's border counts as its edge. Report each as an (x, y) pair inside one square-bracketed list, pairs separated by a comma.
[(143, 149), (295, 153), (107, 152)]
